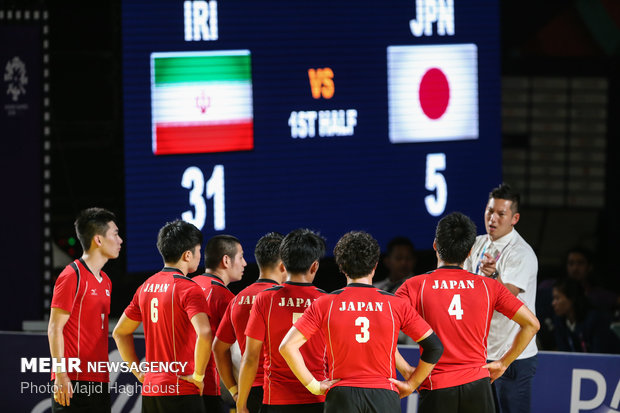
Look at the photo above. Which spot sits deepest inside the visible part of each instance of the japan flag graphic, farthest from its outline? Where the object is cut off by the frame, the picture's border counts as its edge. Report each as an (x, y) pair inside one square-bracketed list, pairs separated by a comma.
[(433, 93)]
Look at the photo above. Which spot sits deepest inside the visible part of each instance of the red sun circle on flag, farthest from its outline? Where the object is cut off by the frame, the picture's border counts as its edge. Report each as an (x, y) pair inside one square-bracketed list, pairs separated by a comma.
[(434, 93)]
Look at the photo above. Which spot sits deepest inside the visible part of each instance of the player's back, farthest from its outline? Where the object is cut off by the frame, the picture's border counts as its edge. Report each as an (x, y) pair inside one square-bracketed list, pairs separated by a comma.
[(361, 325), (274, 312), (217, 296), (458, 306), (167, 301), (232, 327)]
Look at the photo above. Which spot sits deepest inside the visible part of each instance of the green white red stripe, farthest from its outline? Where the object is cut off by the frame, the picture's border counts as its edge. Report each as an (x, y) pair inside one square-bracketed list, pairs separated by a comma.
[(201, 102)]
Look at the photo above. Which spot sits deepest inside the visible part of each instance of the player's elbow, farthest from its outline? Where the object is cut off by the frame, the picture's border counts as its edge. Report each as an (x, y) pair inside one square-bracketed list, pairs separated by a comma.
[(204, 333), (285, 349)]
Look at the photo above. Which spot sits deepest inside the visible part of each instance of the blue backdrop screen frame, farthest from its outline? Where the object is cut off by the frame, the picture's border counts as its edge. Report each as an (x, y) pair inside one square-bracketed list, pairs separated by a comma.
[(331, 184)]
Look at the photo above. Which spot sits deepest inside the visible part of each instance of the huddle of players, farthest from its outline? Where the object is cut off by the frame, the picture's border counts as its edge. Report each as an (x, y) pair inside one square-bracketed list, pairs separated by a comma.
[(298, 342)]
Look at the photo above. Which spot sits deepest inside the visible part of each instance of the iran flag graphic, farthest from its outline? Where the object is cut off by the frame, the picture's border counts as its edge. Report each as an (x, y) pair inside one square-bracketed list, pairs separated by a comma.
[(433, 93), (201, 102)]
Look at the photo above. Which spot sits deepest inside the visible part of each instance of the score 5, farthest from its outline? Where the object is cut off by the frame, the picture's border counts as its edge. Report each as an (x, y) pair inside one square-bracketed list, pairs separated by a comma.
[(193, 179), (435, 181)]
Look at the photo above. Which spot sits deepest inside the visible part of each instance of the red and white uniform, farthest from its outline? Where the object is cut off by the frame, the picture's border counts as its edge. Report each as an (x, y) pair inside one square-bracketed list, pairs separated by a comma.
[(274, 312), (232, 327), (217, 296), (361, 325), (85, 335), (459, 306), (165, 304)]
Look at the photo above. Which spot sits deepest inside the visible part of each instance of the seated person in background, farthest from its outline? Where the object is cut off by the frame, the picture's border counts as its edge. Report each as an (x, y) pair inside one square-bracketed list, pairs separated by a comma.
[(576, 326), (400, 260), (580, 267)]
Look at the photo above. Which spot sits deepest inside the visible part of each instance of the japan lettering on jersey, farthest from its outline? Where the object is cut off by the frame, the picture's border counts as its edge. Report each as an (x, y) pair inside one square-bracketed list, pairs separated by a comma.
[(85, 334), (458, 306), (274, 312), (361, 325), (217, 297), (232, 327), (165, 304)]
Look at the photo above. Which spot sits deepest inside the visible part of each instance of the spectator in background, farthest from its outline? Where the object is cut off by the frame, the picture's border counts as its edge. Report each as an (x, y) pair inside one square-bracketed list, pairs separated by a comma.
[(400, 260), (580, 267), (577, 326)]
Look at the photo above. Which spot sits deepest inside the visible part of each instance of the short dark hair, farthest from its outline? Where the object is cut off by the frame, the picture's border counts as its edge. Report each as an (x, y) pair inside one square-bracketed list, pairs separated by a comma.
[(357, 254), (454, 236), (300, 248), (217, 247), (585, 252), (267, 250), (573, 290), (505, 191), (176, 237), (91, 222), (397, 242)]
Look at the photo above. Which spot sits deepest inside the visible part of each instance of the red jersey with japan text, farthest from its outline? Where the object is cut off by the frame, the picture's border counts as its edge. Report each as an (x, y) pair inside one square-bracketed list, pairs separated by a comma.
[(361, 325), (459, 306), (85, 334), (232, 327), (217, 296), (273, 314), (165, 304)]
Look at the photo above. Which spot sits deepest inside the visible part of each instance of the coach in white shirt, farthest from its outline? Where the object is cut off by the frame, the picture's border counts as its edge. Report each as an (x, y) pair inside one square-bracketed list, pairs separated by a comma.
[(504, 255)]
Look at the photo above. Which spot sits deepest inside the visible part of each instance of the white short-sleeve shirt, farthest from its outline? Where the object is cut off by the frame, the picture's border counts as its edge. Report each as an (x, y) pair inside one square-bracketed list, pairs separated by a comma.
[(517, 265)]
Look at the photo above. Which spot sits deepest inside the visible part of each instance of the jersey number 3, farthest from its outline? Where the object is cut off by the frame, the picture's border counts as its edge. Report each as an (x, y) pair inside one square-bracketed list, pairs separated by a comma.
[(455, 307), (364, 334)]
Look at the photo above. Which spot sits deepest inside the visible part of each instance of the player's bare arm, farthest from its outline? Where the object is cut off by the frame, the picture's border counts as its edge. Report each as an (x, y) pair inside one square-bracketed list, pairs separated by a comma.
[(123, 336), (223, 361), (529, 327), (247, 371), (62, 384), (289, 348), (202, 351), (432, 351)]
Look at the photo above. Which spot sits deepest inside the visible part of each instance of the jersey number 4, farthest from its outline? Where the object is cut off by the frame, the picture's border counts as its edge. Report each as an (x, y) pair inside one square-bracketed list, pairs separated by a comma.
[(455, 307)]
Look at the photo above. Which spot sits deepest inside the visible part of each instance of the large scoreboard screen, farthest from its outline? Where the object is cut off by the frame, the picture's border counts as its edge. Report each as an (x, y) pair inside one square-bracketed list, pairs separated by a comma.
[(245, 117)]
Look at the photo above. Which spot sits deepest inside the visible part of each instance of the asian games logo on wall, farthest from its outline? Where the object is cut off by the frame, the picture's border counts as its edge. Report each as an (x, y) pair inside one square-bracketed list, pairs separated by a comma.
[(16, 78)]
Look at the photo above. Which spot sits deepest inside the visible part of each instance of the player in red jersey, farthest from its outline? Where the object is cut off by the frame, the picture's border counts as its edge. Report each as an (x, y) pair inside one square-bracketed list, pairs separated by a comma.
[(232, 327), (224, 263), (361, 325), (172, 309), (459, 306), (78, 325), (273, 313)]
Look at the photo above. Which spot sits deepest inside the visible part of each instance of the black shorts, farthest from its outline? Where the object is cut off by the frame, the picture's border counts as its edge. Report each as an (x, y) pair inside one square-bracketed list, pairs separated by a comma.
[(214, 404), (88, 397), (292, 408), (474, 397), (189, 403), (255, 399), (343, 399)]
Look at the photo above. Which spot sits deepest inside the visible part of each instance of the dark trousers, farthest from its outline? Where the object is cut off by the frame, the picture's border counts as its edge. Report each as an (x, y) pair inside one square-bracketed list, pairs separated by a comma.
[(255, 399), (191, 403), (88, 397), (474, 397), (344, 399), (513, 391), (292, 408)]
